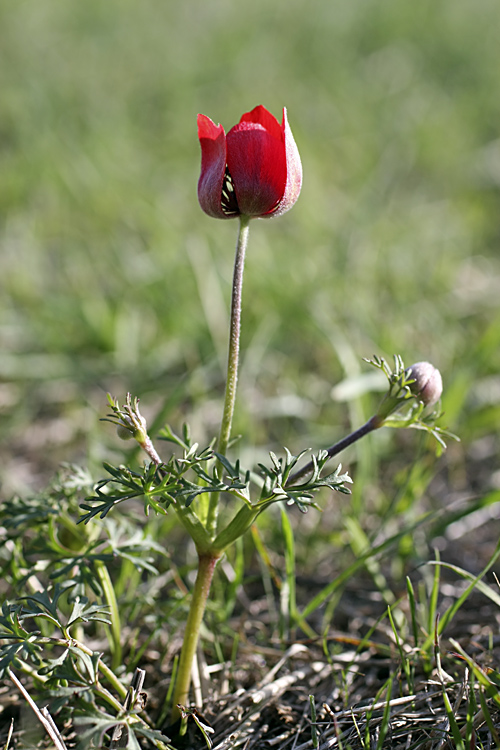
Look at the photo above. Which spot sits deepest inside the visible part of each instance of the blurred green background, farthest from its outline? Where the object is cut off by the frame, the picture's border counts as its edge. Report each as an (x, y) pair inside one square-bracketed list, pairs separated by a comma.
[(112, 278)]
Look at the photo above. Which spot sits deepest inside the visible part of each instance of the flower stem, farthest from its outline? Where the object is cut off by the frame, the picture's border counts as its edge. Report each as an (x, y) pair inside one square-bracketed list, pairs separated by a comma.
[(208, 558), (234, 337), (232, 361), (148, 447), (206, 567), (372, 424)]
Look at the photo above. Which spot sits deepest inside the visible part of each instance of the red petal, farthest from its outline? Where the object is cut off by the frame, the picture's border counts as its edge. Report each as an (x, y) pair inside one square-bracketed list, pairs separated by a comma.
[(263, 117), (256, 160), (293, 169), (213, 164)]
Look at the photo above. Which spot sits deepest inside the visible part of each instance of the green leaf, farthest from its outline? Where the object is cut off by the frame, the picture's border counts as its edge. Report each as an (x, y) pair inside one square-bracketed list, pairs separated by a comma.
[(84, 612), (42, 604), (52, 664)]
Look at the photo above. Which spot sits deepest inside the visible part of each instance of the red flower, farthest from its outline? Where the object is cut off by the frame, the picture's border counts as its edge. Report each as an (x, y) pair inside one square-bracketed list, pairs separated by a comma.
[(255, 170)]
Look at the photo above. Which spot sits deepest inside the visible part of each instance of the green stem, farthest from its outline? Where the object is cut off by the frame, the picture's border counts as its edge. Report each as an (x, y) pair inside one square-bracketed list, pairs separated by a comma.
[(206, 568), (241, 522), (111, 678), (110, 598), (208, 556), (194, 527), (234, 337), (232, 362)]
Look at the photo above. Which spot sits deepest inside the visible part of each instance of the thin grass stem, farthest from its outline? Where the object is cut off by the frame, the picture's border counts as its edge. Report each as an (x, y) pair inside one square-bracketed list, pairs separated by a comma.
[(314, 728)]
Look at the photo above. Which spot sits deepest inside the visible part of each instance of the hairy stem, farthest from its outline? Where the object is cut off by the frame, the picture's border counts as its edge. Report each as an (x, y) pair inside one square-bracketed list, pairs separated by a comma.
[(148, 447), (206, 568), (372, 424), (232, 362)]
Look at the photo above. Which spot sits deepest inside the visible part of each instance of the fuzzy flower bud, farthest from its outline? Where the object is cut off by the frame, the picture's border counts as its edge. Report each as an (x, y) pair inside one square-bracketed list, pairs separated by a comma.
[(124, 433), (133, 425), (427, 385)]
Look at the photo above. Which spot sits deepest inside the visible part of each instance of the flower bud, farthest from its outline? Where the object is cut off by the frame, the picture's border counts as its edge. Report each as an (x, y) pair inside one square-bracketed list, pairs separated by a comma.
[(427, 385), (132, 426), (124, 433)]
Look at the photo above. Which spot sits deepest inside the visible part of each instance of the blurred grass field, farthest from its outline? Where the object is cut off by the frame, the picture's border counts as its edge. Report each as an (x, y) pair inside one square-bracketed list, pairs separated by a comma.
[(113, 279)]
